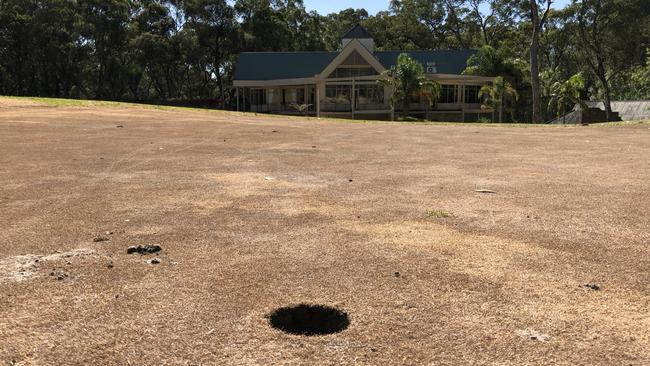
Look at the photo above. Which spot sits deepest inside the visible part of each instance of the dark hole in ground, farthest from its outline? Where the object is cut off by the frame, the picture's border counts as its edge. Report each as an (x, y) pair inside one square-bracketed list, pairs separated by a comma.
[(309, 320), (144, 249)]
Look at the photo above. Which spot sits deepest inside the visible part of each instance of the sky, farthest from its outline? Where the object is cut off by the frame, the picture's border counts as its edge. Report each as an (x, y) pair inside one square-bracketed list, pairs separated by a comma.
[(372, 6)]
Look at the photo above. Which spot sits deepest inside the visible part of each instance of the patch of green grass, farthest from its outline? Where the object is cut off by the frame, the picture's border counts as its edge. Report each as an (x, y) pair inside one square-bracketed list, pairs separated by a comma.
[(623, 123), (59, 102), (440, 214), (433, 123)]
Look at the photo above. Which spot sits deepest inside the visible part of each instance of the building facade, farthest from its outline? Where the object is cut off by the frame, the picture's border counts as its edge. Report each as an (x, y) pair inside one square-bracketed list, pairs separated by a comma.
[(344, 83)]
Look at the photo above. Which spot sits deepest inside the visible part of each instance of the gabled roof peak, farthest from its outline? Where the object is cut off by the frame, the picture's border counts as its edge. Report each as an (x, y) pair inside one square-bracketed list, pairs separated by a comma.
[(357, 31)]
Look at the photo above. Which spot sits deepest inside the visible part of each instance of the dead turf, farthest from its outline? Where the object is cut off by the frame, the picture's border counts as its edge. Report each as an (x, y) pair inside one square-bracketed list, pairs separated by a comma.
[(318, 212)]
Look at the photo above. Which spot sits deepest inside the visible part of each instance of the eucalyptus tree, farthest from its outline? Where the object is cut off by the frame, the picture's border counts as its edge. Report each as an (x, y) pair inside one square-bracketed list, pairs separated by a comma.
[(156, 51), (40, 52), (456, 24), (414, 24), (538, 12), (639, 82), (262, 26), (611, 39), (215, 27), (105, 29), (491, 19)]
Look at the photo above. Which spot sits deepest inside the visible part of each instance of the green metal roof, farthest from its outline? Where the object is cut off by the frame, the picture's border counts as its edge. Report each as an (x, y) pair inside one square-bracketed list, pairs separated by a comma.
[(294, 65), (281, 65), (446, 61)]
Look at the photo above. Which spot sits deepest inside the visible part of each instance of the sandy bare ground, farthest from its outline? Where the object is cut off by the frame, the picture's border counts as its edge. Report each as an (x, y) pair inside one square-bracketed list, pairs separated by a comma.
[(255, 213)]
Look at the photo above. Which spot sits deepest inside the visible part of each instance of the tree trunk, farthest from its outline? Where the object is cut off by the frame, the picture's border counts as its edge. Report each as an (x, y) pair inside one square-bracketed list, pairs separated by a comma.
[(537, 25), (405, 108), (501, 109), (607, 101), (217, 59), (534, 70), (221, 89)]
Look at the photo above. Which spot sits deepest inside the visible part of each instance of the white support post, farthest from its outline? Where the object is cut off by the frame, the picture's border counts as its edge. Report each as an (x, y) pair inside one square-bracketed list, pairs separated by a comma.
[(317, 100), (388, 95), (353, 99), (462, 100), (305, 98)]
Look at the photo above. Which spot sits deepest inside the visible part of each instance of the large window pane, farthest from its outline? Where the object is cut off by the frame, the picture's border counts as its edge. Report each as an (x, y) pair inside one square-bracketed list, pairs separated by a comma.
[(275, 96), (258, 96), (294, 95), (471, 94), (370, 94), (337, 93), (448, 94), (351, 72)]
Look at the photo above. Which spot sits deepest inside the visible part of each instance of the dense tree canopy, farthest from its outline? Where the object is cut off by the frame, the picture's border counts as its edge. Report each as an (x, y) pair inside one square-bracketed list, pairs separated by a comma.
[(185, 50)]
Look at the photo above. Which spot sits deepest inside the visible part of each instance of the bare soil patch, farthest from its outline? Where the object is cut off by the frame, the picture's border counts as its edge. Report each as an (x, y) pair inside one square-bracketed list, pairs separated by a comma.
[(23, 267)]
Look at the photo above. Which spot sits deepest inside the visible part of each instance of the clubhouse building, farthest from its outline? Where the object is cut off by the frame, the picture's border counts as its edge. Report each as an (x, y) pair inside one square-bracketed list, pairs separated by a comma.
[(344, 83)]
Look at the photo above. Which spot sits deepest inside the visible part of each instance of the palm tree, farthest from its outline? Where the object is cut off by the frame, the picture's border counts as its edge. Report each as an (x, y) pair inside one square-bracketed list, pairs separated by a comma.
[(496, 94), (430, 91), (567, 93), (301, 108), (407, 79)]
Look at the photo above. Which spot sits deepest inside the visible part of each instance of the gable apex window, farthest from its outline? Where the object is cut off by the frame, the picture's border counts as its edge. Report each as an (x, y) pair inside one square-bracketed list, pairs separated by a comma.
[(353, 66), (355, 59)]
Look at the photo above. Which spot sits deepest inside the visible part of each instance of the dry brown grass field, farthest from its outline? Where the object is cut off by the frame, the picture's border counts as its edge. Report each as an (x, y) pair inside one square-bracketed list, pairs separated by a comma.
[(380, 220)]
